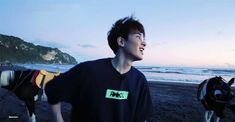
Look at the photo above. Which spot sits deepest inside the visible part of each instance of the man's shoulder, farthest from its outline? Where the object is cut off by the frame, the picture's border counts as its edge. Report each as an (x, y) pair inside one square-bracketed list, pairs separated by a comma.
[(93, 63), (140, 79), (139, 74), (96, 62), (137, 71)]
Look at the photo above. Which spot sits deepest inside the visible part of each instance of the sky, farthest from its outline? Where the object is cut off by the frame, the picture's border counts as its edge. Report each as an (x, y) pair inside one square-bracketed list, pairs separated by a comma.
[(195, 33)]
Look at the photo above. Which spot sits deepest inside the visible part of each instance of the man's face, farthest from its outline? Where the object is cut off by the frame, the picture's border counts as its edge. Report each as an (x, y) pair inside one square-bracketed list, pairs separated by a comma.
[(135, 45)]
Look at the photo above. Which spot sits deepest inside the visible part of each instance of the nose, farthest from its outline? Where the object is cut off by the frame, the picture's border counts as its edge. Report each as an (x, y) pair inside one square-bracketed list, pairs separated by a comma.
[(143, 43)]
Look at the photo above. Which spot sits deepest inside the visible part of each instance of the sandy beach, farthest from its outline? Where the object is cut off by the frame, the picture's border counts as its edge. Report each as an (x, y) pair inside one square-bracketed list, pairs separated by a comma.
[(173, 102)]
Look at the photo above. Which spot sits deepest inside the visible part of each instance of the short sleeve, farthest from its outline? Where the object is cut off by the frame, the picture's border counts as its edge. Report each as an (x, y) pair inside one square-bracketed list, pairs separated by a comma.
[(64, 86)]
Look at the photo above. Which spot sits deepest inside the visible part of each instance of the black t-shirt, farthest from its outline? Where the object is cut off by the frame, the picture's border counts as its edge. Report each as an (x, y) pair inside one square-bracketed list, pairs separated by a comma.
[(99, 93)]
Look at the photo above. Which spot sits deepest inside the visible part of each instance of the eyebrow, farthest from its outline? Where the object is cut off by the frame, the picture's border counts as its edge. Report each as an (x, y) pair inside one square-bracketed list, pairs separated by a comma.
[(136, 33), (140, 34)]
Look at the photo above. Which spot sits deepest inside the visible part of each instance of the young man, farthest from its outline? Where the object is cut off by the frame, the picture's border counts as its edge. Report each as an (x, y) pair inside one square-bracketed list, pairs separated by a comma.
[(107, 90)]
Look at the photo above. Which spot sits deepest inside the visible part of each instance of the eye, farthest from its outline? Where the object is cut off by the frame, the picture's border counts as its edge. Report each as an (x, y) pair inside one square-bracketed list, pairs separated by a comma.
[(218, 93), (138, 36)]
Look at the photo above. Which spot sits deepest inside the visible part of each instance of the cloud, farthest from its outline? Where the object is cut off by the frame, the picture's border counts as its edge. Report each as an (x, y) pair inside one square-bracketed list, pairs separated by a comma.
[(218, 33), (83, 52), (52, 44), (156, 44), (86, 46), (230, 65)]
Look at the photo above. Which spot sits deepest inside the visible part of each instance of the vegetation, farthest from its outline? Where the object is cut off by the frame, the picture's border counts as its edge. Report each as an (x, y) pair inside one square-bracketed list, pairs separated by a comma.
[(16, 50)]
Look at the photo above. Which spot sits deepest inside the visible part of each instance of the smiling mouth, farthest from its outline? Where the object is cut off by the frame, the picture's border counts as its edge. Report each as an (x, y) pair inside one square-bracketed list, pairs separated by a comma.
[(142, 50)]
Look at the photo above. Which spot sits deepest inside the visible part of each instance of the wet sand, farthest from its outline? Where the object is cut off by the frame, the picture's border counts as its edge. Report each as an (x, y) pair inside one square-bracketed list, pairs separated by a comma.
[(177, 102), (173, 102)]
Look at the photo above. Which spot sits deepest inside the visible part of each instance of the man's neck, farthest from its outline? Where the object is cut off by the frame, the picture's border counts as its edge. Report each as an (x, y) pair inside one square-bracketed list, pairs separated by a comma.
[(121, 64)]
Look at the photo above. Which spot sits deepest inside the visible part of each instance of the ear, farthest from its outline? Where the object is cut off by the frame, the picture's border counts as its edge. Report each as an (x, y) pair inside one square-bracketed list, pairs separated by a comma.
[(121, 41), (231, 82)]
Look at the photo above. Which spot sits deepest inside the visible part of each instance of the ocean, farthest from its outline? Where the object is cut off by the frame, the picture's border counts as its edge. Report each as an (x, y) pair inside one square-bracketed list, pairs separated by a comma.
[(163, 74)]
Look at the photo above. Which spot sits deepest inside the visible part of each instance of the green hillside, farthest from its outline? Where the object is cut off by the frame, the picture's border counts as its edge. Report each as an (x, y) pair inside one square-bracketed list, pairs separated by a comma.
[(16, 50)]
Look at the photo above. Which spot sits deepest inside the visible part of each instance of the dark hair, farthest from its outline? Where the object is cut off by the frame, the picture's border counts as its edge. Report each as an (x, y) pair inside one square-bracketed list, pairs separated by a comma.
[(123, 27)]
